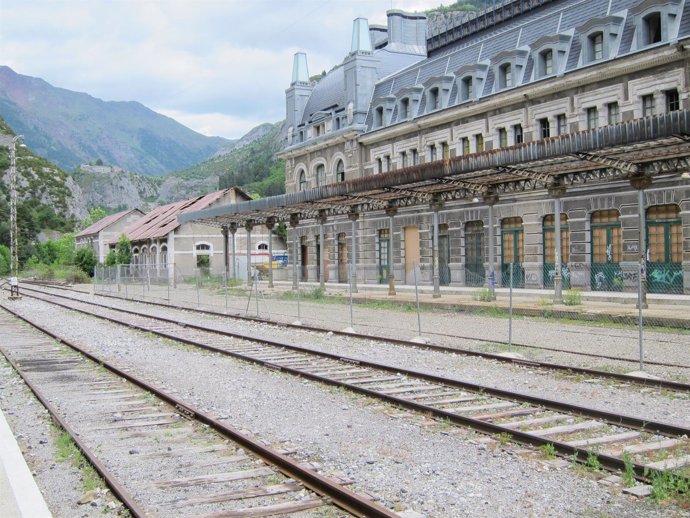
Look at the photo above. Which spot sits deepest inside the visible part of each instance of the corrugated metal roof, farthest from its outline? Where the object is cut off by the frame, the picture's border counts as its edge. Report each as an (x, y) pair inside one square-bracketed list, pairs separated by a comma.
[(95, 228), (162, 220)]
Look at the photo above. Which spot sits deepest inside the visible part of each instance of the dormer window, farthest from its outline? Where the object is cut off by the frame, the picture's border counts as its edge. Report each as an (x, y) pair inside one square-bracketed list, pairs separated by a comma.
[(470, 81), (505, 76), (599, 38), (656, 21), (651, 29), (549, 54), (467, 88), (433, 99), (378, 117), (383, 111), (437, 90), (596, 46), (404, 110), (546, 62)]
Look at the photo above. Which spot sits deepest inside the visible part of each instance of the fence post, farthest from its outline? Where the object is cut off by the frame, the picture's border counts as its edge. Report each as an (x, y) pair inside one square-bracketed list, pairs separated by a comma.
[(350, 270), (510, 310), (640, 305), (256, 293), (198, 299), (298, 278), (416, 296)]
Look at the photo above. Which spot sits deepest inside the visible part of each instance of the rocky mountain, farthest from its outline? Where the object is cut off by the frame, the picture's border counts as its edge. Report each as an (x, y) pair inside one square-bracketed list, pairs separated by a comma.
[(251, 164), (48, 199), (71, 128)]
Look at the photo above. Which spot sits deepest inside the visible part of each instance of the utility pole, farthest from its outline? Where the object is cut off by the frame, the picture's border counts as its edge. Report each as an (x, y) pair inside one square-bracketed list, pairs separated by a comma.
[(14, 266)]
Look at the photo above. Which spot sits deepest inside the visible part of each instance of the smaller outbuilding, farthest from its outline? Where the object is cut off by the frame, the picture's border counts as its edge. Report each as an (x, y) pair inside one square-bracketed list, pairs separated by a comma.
[(100, 234)]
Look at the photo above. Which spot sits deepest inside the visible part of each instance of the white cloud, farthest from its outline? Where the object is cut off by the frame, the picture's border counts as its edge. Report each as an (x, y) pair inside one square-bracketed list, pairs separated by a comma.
[(219, 66)]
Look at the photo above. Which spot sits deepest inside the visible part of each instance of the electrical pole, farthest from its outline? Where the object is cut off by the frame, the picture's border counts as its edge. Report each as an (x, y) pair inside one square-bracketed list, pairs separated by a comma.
[(14, 266)]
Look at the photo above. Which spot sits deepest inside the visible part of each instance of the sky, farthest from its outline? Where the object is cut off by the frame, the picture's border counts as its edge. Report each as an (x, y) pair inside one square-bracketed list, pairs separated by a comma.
[(220, 67)]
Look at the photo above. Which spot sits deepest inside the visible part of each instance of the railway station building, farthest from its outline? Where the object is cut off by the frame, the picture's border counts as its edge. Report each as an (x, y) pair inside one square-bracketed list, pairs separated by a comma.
[(547, 141)]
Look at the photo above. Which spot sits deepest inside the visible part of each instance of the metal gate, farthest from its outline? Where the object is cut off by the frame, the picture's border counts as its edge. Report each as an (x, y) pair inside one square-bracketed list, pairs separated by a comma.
[(512, 252), (664, 243), (606, 272)]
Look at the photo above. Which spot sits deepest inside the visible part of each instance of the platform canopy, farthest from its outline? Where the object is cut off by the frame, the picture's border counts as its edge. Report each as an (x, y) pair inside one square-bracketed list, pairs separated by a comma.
[(641, 148)]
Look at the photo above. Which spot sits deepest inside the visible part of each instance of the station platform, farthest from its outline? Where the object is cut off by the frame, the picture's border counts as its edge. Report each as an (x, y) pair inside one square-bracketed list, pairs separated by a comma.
[(19, 494)]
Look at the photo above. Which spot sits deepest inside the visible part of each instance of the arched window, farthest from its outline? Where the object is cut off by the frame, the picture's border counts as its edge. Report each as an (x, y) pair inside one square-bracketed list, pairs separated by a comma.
[(474, 253), (378, 117), (404, 111), (433, 100), (262, 246), (607, 248), (512, 252), (340, 171), (596, 46), (320, 175), (467, 88), (546, 63), (549, 229), (164, 256), (302, 181), (664, 249), (203, 256)]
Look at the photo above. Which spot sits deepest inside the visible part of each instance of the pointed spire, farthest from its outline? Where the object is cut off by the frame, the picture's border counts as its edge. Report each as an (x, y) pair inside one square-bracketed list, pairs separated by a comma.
[(300, 73), (361, 41)]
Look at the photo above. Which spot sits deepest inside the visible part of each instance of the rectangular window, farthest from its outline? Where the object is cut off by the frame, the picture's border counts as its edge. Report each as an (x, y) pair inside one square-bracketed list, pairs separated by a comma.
[(502, 137), (379, 165), (432, 153), (517, 134), (387, 158), (403, 159), (465, 146), (562, 124), (479, 142), (597, 42), (592, 118), (415, 157), (614, 113), (544, 128), (647, 105), (445, 151), (672, 100), (547, 58)]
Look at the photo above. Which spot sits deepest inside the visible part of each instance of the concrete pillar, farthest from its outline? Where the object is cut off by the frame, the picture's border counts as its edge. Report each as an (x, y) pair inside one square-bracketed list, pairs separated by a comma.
[(354, 216), (233, 231), (248, 226), (490, 200), (270, 223), (226, 259), (557, 192), (294, 222), (391, 212), (641, 183), (435, 207), (322, 260)]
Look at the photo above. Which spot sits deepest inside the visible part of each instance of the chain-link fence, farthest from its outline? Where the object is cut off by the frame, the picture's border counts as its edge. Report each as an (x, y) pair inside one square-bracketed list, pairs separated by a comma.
[(628, 327)]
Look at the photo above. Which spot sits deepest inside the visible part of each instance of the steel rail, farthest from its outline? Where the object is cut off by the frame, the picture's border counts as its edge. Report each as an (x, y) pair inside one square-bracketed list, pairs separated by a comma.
[(110, 480), (340, 495), (399, 341), (641, 472), (649, 382)]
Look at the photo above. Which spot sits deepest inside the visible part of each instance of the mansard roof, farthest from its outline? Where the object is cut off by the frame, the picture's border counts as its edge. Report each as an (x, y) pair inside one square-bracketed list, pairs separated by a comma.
[(557, 18), (329, 92)]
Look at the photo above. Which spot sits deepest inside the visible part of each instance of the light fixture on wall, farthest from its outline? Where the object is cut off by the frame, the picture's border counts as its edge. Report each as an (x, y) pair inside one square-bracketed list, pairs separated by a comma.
[(685, 176), (475, 200)]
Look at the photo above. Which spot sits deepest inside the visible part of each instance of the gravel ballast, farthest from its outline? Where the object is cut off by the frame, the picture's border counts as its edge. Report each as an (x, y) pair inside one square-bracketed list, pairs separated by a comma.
[(405, 460)]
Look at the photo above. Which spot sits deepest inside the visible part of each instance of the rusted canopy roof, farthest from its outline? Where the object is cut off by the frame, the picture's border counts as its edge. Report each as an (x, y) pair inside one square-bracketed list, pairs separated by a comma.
[(648, 147), (103, 223), (162, 220)]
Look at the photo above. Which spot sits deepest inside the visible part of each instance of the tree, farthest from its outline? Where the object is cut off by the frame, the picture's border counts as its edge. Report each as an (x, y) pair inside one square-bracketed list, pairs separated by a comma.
[(95, 214), (85, 259), (124, 250), (4, 260), (111, 258)]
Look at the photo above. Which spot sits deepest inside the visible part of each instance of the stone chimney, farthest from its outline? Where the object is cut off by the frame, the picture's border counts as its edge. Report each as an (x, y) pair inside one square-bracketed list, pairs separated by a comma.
[(406, 32)]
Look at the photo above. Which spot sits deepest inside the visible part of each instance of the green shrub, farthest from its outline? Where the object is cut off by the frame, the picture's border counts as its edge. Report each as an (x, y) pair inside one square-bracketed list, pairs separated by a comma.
[(85, 259), (572, 297), (76, 276), (482, 294), (5, 260)]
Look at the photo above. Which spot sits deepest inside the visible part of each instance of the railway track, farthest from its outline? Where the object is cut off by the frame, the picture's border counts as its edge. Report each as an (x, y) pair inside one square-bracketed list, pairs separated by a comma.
[(158, 454), (653, 382), (616, 441)]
